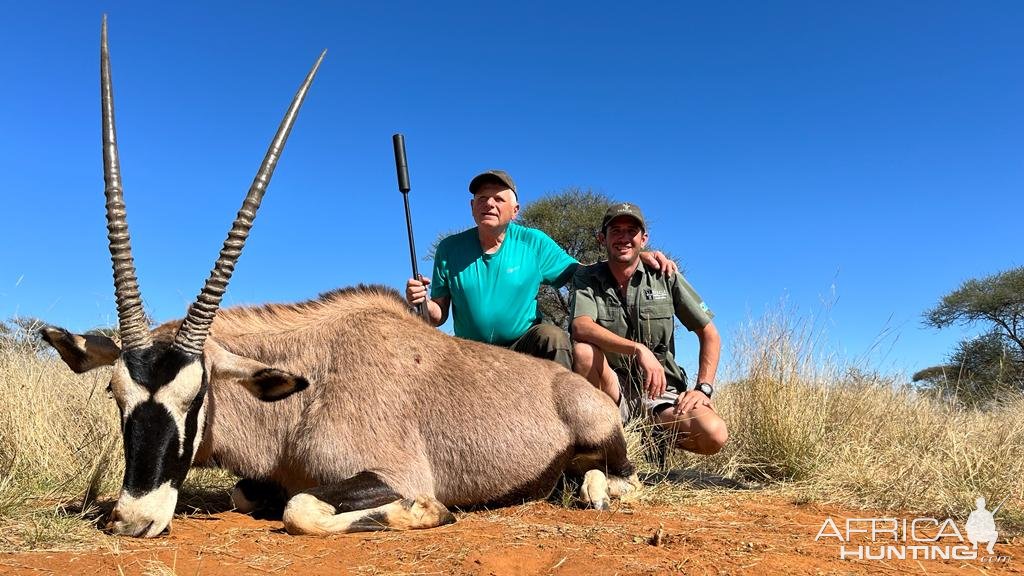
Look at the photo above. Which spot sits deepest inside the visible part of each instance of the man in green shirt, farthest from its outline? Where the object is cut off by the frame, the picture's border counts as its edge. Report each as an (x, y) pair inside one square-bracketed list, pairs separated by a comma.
[(625, 344), (490, 275)]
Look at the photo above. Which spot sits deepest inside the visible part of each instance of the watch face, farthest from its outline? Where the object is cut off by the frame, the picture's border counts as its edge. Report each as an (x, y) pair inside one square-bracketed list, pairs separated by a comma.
[(705, 388)]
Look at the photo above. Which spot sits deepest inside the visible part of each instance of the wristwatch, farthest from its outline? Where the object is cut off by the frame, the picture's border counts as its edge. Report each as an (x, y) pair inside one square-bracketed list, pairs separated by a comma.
[(705, 388)]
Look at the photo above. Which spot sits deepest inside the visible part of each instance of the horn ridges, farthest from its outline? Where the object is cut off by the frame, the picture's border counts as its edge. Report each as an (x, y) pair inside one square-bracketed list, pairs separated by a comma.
[(196, 326), (131, 318)]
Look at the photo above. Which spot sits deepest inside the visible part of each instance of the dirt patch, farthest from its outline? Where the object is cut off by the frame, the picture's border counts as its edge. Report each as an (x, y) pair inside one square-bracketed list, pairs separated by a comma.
[(726, 533)]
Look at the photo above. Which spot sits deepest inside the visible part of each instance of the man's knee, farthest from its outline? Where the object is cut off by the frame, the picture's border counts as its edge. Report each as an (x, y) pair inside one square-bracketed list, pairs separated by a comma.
[(583, 356), (711, 435), (547, 341), (704, 431), (551, 337)]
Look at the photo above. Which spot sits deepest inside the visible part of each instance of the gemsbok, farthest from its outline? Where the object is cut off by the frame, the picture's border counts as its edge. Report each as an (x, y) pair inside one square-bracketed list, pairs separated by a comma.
[(347, 410)]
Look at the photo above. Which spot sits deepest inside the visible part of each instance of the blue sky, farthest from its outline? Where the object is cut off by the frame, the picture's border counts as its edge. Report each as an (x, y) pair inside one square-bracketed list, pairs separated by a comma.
[(855, 160)]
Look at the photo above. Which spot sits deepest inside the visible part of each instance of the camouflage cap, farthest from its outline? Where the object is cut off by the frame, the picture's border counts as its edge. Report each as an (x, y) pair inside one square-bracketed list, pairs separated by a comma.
[(624, 209), (492, 176)]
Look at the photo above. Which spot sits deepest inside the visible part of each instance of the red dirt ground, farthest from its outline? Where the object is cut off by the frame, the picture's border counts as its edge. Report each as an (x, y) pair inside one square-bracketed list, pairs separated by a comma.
[(724, 533)]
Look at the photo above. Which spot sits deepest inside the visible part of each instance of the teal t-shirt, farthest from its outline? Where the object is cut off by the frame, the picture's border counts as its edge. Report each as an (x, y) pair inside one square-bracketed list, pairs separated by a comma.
[(494, 296)]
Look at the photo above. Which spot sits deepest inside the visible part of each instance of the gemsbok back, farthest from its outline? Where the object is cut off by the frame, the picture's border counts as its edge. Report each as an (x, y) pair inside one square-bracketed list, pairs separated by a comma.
[(347, 411)]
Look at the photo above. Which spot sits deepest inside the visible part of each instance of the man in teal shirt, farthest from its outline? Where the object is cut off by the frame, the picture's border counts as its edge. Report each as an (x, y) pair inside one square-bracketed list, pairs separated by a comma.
[(490, 275)]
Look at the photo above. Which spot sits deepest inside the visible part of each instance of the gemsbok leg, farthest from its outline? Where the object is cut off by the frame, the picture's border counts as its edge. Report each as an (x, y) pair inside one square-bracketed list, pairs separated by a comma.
[(601, 458), (598, 489), (362, 503), (259, 498)]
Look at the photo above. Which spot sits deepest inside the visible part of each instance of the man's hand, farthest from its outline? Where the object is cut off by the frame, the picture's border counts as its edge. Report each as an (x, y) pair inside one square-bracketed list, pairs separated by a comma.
[(654, 372), (416, 290), (691, 401), (656, 260)]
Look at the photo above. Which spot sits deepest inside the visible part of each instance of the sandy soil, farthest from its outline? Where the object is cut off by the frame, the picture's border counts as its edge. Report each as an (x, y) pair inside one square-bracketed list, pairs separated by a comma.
[(724, 533)]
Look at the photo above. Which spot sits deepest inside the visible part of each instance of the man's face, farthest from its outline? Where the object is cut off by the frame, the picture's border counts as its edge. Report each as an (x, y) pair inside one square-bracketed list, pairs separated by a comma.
[(623, 239), (494, 206)]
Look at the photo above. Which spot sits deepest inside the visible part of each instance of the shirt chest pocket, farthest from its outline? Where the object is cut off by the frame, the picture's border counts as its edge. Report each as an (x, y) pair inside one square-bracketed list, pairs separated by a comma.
[(610, 316), (656, 311), (657, 321)]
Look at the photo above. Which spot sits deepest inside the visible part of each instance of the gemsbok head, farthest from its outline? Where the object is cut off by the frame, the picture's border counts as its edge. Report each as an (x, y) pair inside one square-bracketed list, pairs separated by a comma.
[(161, 383)]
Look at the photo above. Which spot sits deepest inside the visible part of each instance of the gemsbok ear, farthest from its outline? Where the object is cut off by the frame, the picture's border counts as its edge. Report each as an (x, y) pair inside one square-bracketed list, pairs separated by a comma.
[(264, 382), (81, 352)]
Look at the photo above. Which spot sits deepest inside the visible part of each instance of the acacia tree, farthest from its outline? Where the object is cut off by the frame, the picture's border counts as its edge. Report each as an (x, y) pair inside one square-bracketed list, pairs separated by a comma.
[(981, 368), (572, 219)]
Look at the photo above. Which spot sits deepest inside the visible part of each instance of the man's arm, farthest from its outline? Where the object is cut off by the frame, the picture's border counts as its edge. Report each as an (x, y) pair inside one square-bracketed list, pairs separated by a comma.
[(438, 309), (710, 351), (695, 315), (584, 329)]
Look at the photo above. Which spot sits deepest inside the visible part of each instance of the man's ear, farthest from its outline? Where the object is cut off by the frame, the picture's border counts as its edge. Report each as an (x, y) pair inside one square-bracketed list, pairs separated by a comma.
[(600, 237), (81, 352), (262, 381)]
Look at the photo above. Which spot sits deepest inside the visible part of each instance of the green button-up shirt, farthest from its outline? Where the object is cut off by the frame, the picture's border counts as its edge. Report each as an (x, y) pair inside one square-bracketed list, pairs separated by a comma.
[(645, 315)]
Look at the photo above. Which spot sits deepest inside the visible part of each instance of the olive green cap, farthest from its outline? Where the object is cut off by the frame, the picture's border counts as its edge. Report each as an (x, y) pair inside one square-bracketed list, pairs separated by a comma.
[(624, 209), (493, 176)]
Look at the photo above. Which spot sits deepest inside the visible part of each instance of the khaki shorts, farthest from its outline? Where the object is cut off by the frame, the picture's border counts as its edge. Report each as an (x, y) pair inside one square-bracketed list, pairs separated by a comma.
[(634, 403)]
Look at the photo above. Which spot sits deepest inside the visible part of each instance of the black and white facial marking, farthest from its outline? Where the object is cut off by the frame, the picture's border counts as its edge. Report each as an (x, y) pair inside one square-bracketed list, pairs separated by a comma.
[(161, 393)]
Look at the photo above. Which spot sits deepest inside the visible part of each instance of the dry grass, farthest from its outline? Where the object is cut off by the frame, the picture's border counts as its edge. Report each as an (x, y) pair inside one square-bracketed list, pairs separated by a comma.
[(838, 433), (801, 422), (58, 447)]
